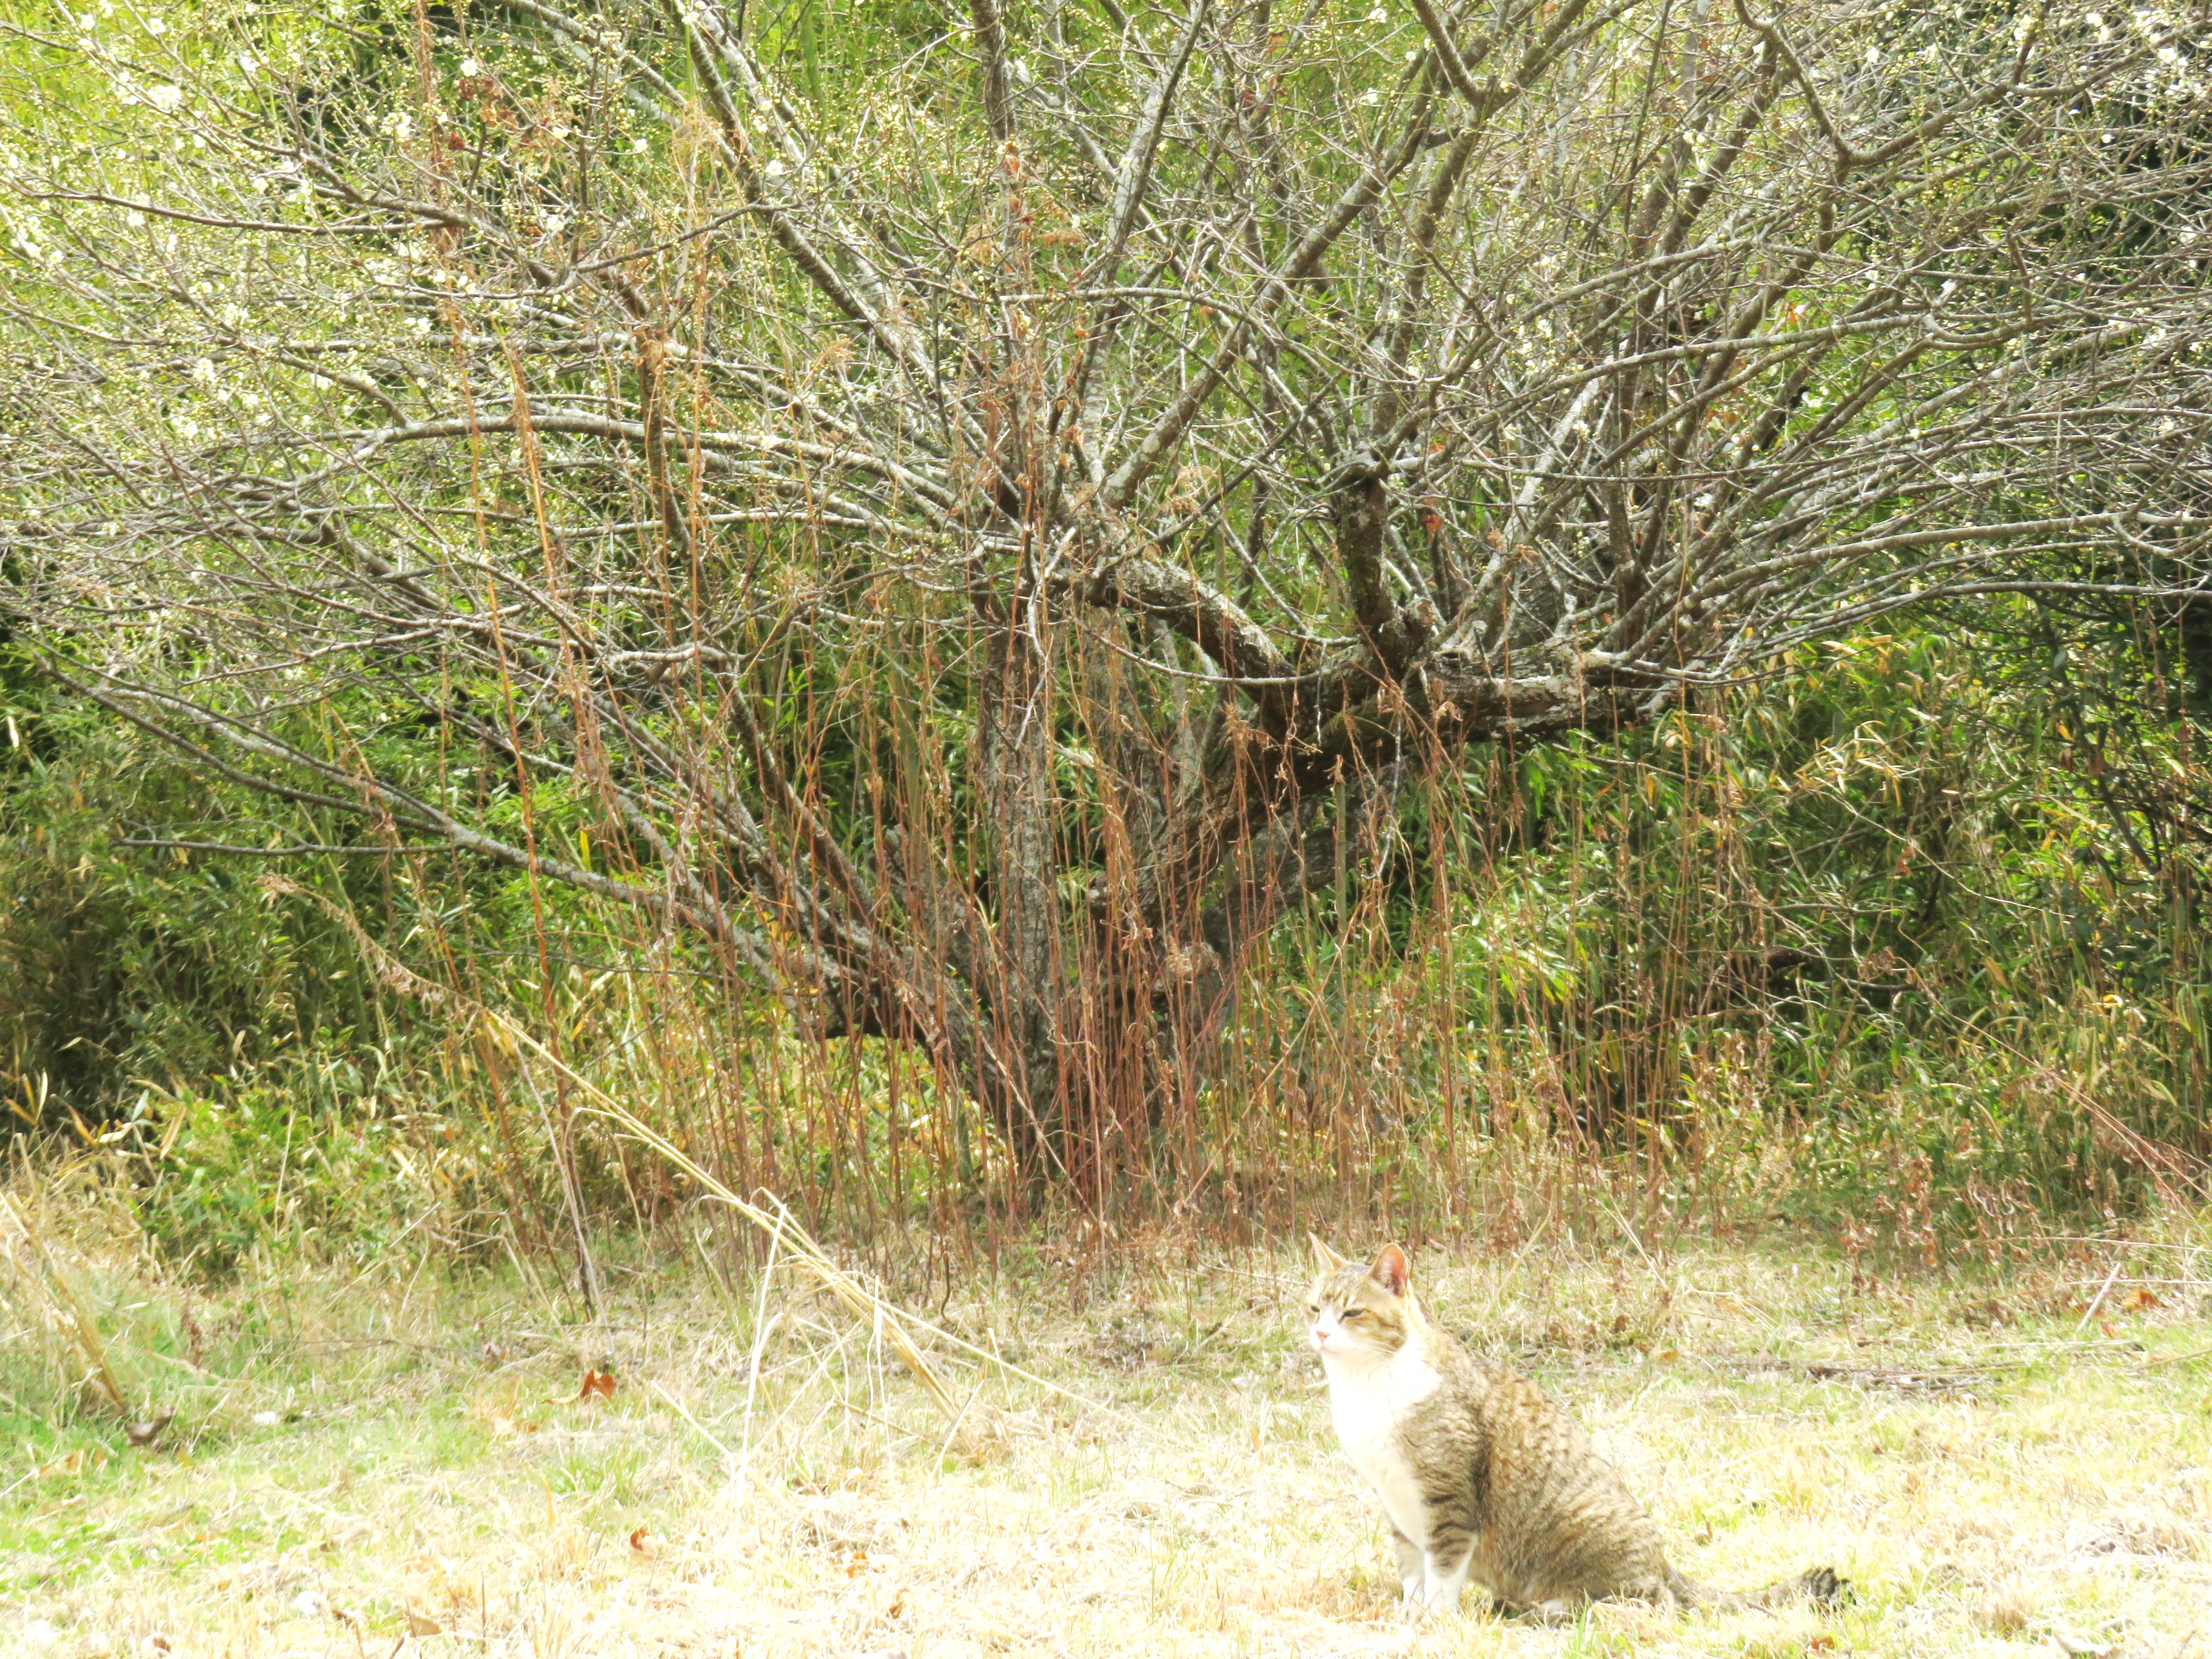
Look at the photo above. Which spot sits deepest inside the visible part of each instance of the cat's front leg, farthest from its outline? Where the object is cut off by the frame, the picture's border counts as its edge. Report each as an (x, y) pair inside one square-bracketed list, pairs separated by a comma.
[(1412, 1573), (1444, 1584)]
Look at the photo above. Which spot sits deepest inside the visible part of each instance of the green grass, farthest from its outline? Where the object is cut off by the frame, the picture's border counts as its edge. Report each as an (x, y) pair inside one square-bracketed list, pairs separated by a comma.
[(427, 1456)]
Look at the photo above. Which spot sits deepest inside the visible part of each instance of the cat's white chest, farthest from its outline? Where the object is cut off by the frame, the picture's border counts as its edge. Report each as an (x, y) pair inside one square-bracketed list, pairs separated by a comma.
[(1367, 1402)]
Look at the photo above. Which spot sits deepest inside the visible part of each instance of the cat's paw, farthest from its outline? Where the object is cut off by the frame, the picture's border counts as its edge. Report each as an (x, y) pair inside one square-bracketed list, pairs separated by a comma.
[(1414, 1607)]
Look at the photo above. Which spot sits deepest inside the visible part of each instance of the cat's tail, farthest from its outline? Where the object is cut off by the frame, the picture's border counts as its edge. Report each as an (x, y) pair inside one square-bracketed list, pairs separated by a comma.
[(1818, 1585)]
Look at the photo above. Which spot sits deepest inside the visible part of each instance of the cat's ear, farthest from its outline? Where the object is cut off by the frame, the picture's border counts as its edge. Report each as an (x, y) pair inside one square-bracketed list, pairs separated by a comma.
[(1393, 1272), (1324, 1258)]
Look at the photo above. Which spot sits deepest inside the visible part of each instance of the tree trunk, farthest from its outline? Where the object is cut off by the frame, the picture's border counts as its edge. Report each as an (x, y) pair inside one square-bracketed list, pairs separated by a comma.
[(1020, 969)]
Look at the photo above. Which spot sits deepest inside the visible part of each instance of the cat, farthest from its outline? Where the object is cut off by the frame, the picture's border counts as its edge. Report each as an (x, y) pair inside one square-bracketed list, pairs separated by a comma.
[(1482, 1474)]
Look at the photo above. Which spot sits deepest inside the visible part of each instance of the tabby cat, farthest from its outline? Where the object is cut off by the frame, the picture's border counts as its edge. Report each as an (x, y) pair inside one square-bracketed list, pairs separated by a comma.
[(1481, 1473)]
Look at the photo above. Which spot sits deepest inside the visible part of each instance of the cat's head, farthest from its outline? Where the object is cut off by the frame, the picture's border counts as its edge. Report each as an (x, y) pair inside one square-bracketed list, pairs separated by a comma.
[(1358, 1314)]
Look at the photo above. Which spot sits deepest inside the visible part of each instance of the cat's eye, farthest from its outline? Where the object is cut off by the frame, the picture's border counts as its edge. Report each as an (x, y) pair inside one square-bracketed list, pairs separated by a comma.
[(1353, 1313), (1312, 1309)]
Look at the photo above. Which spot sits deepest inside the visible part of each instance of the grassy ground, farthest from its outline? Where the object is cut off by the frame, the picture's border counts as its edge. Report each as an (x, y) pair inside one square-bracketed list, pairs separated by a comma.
[(395, 1463)]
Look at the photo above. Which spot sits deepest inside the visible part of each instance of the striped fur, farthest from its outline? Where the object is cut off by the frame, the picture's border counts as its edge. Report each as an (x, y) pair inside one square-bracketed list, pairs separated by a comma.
[(1482, 1476)]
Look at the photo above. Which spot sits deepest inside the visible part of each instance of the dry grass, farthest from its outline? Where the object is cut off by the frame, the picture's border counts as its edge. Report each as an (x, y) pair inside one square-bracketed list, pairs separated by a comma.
[(357, 1456)]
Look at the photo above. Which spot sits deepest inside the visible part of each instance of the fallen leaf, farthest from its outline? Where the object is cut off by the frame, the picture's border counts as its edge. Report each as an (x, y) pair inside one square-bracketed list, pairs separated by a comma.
[(641, 1541), (1823, 1643), (597, 1384), (2139, 1299), (858, 1564), (420, 1624), (159, 1643), (143, 1434)]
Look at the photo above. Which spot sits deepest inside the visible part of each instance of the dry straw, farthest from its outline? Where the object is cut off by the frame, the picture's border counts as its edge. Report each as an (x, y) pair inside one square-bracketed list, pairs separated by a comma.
[(66, 1302), (975, 1426)]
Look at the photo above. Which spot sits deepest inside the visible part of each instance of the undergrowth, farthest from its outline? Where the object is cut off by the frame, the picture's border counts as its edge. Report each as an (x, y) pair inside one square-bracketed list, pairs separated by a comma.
[(1856, 948)]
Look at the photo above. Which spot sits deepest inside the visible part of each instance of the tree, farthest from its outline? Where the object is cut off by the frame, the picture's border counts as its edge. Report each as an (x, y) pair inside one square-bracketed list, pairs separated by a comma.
[(977, 537)]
